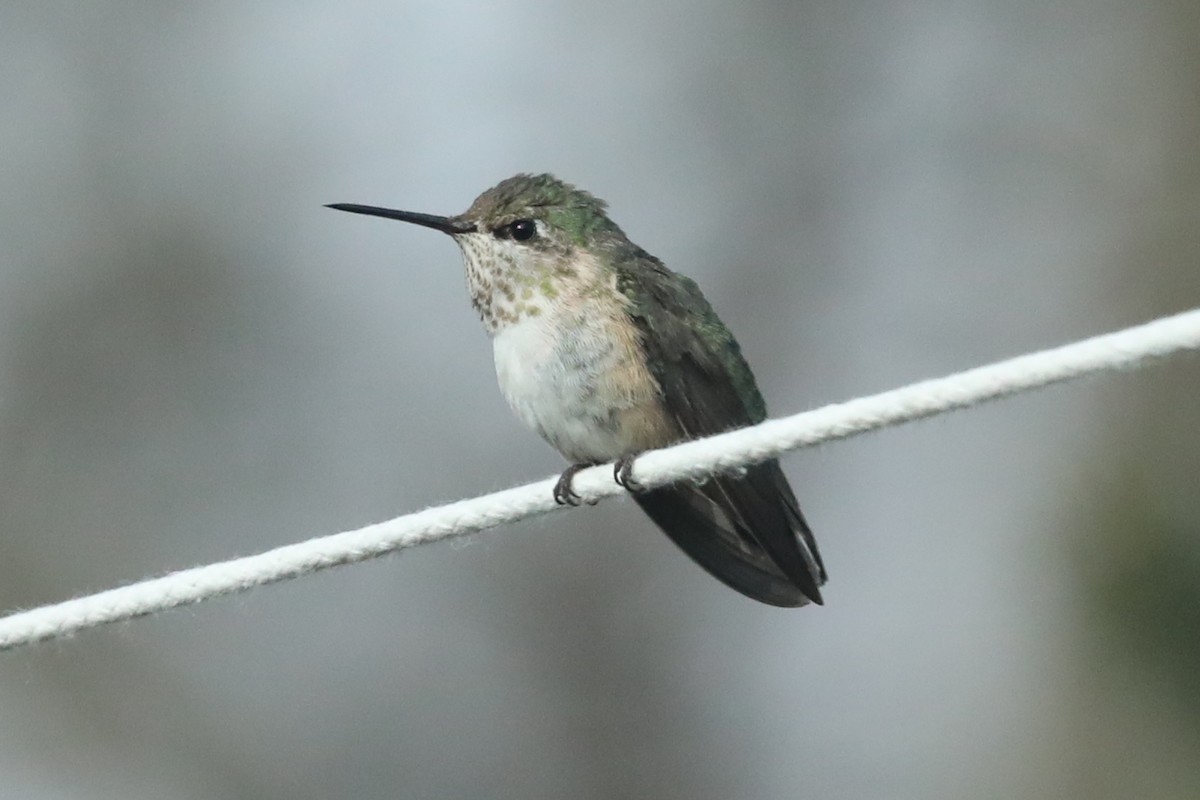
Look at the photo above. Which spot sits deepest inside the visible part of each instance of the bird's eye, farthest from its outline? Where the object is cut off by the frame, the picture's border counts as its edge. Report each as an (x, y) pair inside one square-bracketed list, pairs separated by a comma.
[(523, 229)]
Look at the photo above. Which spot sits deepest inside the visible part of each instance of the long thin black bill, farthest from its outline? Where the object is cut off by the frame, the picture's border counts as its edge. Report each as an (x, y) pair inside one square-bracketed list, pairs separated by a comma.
[(443, 224)]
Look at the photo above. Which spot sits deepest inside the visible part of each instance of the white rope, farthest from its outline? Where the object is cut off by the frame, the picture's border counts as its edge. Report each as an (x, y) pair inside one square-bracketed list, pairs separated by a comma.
[(1120, 350)]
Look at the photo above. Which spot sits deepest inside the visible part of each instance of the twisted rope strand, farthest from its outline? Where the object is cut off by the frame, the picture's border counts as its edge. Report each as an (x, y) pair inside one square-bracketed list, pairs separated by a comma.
[(1124, 349)]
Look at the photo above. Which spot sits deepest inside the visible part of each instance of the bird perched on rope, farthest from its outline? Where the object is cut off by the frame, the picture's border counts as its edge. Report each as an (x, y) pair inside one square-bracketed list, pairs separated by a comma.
[(607, 353)]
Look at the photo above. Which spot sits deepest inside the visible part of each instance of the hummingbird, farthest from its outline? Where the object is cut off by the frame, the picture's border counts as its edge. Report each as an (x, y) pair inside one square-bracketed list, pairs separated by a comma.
[(606, 353)]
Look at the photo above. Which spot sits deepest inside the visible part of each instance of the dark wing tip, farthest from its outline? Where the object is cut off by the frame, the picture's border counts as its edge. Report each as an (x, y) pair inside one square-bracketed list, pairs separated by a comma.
[(697, 524)]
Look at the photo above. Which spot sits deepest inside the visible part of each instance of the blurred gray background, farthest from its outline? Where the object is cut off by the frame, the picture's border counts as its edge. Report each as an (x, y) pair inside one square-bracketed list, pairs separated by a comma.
[(198, 361)]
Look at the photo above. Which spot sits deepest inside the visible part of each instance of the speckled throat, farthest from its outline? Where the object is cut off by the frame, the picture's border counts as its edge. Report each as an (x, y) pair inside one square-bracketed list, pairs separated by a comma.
[(505, 290)]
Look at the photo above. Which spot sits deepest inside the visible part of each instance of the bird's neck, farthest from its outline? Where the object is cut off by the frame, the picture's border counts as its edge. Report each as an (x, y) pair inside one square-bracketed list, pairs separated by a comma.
[(505, 293)]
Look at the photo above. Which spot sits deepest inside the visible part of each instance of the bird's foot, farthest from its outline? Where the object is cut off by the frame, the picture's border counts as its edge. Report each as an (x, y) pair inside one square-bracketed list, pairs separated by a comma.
[(564, 493), (622, 474)]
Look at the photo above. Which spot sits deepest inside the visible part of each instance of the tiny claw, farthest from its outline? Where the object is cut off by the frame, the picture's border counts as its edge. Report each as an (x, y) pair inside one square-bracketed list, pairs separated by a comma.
[(623, 474), (564, 493)]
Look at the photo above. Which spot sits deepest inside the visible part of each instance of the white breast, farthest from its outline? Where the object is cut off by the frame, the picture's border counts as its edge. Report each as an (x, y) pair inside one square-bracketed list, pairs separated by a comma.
[(560, 373)]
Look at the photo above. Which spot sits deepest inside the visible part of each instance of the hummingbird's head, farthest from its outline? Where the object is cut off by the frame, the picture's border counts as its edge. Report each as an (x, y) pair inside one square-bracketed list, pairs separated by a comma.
[(524, 242), (539, 212)]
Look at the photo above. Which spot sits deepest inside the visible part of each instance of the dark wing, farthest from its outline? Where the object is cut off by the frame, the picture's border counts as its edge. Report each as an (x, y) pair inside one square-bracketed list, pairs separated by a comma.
[(747, 529)]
